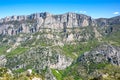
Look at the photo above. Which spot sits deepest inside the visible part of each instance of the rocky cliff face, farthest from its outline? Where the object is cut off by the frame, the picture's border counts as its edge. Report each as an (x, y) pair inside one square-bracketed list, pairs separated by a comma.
[(32, 23), (102, 54)]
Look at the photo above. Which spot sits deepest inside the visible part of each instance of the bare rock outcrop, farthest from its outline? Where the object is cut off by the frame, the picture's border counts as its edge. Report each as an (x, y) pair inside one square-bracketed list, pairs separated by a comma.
[(3, 60), (103, 53), (32, 23)]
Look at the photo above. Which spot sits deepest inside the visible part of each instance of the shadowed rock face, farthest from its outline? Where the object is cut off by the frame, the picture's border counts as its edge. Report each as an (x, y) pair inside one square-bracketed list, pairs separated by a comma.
[(103, 53)]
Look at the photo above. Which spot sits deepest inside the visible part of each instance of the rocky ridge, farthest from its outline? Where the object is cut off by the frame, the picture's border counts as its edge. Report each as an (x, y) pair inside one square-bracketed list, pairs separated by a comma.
[(34, 22)]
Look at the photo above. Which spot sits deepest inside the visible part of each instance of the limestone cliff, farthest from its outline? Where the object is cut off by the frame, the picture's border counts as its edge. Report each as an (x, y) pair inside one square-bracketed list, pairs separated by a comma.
[(32, 23)]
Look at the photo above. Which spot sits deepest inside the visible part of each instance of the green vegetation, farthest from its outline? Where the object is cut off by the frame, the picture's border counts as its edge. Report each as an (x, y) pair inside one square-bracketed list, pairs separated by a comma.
[(74, 51), (21, 75), (3, 49), (17, 51), (93, 66), (113, 38), (110, 72), (79, 72), (28, 43), (4, 75), (2, 71), (57, 74), (19, 70)]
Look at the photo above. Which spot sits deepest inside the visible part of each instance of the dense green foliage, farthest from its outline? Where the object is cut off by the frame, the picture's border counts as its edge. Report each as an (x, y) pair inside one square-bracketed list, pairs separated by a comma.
[(57, 74)]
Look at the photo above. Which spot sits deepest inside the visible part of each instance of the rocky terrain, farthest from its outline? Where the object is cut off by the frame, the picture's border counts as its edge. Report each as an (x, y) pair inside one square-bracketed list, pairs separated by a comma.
[(69, 46), (103, 53), (31, 23)]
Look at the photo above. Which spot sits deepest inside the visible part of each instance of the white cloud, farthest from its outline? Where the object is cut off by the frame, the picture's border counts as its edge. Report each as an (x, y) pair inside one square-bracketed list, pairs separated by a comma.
[(116, 13), (83, 12), (76, 11)]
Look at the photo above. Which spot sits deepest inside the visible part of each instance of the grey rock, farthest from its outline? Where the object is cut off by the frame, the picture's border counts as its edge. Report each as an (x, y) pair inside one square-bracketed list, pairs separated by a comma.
[(3, 61), (103, 53), (47, 20), (38, 59)]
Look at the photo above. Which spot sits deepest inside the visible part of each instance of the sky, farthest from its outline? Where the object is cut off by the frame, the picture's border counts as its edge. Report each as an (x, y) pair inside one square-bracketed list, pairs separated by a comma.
[(93, 8)]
